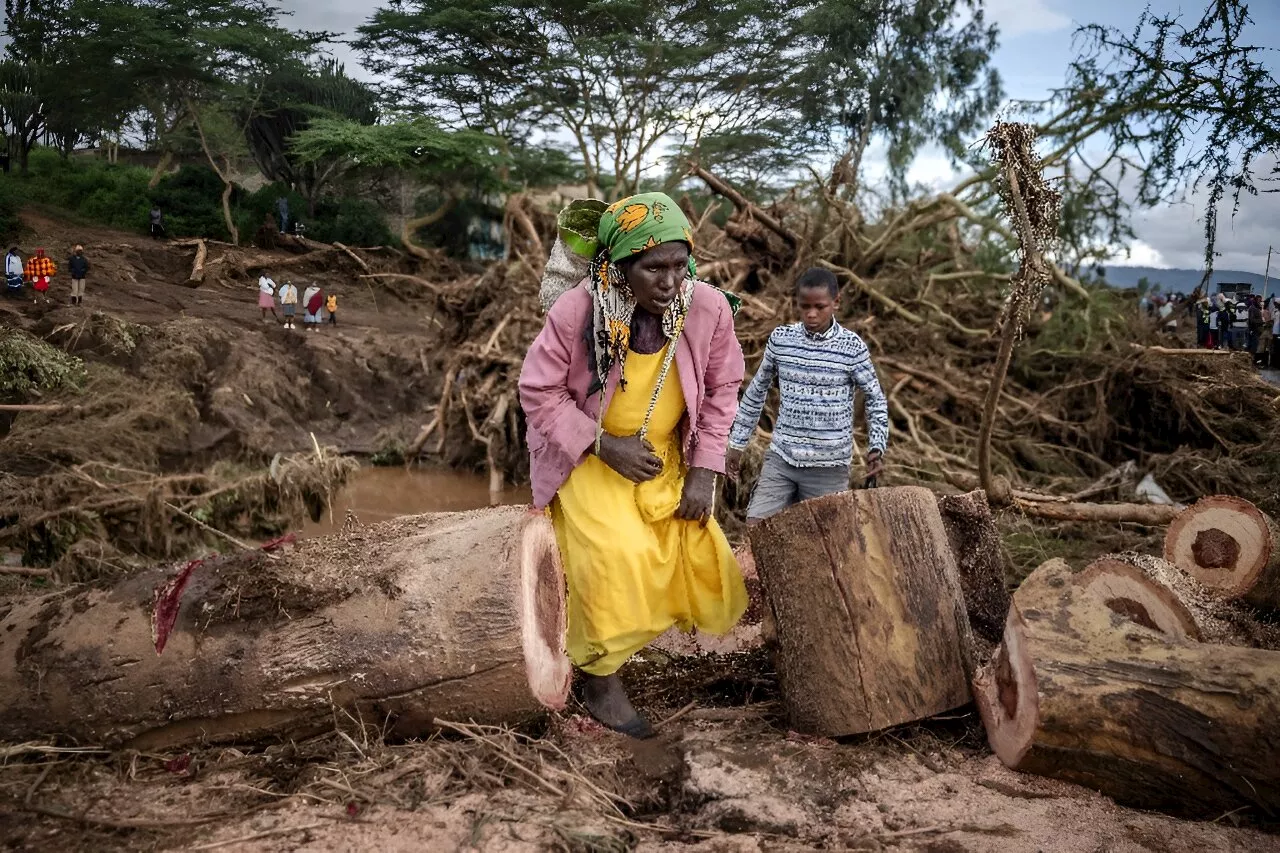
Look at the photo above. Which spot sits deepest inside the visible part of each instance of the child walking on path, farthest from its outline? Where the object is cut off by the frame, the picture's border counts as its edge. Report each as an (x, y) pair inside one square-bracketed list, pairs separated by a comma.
[(288, 303), (818, 365), (331, 305), (40, 271), (78, 266)]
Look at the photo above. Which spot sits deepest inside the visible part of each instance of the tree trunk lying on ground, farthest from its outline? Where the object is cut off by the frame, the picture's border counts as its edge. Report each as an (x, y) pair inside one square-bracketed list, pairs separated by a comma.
[(1080, 690), (975, 543), (868, 609), (1229, 545), (455, 615)]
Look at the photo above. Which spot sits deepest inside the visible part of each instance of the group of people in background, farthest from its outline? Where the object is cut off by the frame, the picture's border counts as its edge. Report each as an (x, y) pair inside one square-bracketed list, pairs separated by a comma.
[(38, 272), (316, 305), (1238, 322)]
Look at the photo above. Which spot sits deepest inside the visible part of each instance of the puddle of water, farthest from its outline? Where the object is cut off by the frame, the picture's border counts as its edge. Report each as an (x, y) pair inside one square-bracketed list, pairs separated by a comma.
[(377, 494)]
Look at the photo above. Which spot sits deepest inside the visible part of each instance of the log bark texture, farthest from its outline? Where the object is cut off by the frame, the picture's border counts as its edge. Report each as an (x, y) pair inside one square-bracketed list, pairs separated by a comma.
[(1080, 691), (975, 544), (867, 605), (1229, 545), (453, 615)]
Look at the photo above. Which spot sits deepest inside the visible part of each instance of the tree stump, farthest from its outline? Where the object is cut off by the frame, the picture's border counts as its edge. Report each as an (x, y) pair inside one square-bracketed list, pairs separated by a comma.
[(1228, 545), (868, 610), (1080, 691), (457, 615), (975, 543)]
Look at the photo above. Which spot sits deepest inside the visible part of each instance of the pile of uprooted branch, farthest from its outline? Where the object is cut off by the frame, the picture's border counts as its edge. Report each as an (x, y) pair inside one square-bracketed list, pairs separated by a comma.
[(1089, 406)]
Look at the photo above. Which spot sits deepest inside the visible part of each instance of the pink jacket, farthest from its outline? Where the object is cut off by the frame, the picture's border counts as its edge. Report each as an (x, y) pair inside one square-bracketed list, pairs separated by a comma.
[(562, 416)]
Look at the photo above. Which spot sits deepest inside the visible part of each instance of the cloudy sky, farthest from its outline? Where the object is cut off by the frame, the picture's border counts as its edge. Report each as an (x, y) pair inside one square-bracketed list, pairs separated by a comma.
[(1036, 46)]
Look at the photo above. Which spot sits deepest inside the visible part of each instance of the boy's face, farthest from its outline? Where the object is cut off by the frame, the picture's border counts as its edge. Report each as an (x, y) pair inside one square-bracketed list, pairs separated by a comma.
[(816, 307)]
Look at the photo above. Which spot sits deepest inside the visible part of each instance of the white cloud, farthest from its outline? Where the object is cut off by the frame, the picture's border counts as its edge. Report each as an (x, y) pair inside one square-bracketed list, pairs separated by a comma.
[(1140, 254), (1022, 17)]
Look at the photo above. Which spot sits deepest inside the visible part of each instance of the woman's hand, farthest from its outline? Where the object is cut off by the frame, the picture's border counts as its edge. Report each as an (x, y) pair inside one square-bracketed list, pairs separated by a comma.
[(699, 493), (632, 457)]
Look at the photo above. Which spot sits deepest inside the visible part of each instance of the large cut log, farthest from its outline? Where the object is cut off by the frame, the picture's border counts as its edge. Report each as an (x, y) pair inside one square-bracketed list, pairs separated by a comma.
[(975, 543), (1084, 689), (455, 615), (868, 610), (1229, 545)]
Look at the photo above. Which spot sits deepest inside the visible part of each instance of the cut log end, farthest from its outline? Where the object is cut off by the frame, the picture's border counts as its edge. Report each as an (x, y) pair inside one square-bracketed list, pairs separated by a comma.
[(1227, 544), (543, 605), (1007, 697), (1132, 595)]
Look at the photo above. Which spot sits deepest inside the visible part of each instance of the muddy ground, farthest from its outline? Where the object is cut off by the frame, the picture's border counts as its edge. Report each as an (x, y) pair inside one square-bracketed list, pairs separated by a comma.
[(358, 386), (725, 775)]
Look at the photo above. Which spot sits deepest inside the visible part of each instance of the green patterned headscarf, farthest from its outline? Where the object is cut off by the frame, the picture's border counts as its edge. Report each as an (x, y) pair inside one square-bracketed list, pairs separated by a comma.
[(630, 227), (640, 222)]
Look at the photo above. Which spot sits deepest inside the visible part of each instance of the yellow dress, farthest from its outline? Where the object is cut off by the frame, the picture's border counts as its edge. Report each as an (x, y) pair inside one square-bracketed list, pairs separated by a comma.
[(633, 569)]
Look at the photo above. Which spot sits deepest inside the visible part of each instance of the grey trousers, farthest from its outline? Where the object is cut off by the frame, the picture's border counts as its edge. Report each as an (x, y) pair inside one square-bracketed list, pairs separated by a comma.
[(782, 485)]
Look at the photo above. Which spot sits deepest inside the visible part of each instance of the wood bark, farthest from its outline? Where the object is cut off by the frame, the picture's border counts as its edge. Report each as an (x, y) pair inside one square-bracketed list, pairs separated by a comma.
[(867, 605), (1082, 691), (1152, 515), (721, 187), (1230, 546), (975, 544), (453, 615)]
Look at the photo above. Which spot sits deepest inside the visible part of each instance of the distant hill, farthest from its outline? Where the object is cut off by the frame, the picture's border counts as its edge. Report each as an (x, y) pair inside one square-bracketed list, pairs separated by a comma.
[(1181, 281)]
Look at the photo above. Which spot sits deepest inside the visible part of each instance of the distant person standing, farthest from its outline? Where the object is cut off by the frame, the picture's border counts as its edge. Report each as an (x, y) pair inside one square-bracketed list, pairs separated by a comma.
[(40, 270), (157, 223), (282, 206), (1239, 323), (331, 305), (78, 266), (1274, 352), (1255, 327), (312, 304), (288, 302), (13, 274), (267, 297), (1202, 314)]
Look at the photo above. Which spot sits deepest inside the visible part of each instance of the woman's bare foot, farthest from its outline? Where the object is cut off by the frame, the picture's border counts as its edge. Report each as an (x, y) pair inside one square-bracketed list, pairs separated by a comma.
[(607, 701)]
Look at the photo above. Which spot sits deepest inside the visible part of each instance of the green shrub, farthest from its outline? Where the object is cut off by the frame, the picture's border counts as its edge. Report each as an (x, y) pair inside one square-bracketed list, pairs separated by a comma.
[(28, 364), (117, 195)]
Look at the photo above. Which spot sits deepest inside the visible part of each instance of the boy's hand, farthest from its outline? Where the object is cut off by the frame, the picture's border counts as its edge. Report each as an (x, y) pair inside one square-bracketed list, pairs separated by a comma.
[(699, 493), (632, 457), (875, 464), (732, 463)]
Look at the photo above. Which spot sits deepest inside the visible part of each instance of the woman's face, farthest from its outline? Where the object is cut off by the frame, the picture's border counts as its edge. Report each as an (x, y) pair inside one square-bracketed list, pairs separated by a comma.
[(655, 276)]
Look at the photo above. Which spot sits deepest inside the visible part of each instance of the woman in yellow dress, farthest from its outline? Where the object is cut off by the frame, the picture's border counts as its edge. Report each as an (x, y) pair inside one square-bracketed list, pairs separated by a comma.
[(629, 392)]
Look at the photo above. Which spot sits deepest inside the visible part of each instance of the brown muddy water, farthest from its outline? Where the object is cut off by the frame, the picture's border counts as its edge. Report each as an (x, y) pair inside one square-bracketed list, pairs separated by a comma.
[(377, 494)]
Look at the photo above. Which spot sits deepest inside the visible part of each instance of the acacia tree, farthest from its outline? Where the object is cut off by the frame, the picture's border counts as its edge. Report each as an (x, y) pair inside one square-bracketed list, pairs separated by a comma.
[(1172, 105), (908, 71), (618, 78), (444, 162), (292, 98)]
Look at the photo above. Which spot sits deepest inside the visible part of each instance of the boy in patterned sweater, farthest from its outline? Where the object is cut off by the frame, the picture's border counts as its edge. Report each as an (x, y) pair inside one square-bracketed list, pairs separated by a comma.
[(818, 365)]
